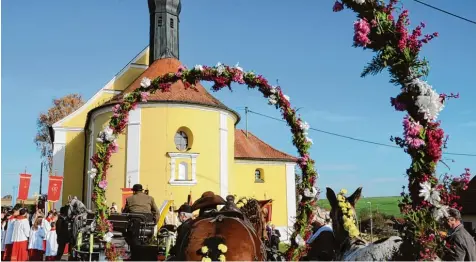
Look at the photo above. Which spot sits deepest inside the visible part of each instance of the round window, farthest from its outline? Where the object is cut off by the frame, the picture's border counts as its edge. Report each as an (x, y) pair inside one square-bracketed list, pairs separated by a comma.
[(181, 141)]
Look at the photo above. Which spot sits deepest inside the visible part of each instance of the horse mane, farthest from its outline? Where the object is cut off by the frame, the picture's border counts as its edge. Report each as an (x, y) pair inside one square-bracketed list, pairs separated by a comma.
[(251, 209)]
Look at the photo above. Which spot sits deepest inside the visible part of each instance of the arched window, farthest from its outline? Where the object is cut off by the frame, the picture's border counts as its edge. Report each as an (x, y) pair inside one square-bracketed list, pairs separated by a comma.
[(171, 23), (259, 176), (183, 171), (181, 141)]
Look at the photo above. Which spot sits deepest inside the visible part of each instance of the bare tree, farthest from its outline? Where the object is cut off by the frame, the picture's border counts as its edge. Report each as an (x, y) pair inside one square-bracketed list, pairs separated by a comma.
[(61, 108)]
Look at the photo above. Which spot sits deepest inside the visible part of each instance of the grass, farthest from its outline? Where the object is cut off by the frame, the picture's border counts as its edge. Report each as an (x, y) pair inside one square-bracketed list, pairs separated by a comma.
[(386, 205)]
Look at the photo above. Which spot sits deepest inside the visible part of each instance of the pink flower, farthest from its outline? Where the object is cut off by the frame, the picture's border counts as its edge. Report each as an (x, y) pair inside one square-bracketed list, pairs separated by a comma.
[(361, 32), (180, 71), (114, 147), (238, 77), (144, 96), (116, 108), (134, 106), (103, 184), (338, 6), (414, 143)]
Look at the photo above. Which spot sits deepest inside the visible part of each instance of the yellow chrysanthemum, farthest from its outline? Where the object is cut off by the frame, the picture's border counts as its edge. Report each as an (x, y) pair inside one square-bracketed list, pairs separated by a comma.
[(342, 204), (350, 212), (349, 205), (343, 191), (204, 250), (354, 232), (222, 258), (340, 198), (222, 248), (240, 205), (206, 259)]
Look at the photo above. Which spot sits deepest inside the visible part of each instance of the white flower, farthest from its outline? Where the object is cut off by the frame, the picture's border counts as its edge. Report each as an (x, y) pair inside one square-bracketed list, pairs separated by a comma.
[(127, 95), (299, 198), (359, 1), (286, 97), (304, 126), (310, 192), (145, 82), (300, 241), (273, 90), (108, 237), (309, 140), (108, 134), (272, 100), (239, 68), (429, 194), (220, 68), (93, 172), (428, 101), (440, 212), (198, 68)]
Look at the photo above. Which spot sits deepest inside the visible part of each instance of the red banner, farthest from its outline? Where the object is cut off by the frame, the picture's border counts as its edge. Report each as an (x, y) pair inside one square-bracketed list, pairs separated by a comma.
[(24, 186), (54, 188), (126, 192)]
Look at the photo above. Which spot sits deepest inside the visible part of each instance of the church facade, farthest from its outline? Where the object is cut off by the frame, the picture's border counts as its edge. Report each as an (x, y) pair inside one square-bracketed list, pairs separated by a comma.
[(178, 142)]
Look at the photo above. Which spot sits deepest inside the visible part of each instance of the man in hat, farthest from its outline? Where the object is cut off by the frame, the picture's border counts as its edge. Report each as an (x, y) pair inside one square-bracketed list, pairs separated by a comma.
[(207, 204), (186, 218), (141, 203), (462, 245)]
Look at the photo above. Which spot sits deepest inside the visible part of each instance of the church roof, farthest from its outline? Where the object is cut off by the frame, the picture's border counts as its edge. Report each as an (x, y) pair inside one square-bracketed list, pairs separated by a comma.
[(468, 198), (253, 148), (177, 92)]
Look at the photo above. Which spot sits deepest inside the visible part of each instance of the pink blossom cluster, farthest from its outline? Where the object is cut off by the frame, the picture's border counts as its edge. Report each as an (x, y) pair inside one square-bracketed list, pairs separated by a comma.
[(361, 32), (435, 139), (451, 187), (401, 28), (412, 133), (427, 254), (413, 41)]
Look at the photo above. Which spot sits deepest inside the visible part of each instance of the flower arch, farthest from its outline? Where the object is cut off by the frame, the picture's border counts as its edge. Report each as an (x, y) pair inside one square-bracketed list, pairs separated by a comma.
[(221, 76)]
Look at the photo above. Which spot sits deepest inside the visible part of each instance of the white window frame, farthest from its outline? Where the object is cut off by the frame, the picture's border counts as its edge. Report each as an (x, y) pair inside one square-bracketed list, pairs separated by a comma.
[(178, 158)]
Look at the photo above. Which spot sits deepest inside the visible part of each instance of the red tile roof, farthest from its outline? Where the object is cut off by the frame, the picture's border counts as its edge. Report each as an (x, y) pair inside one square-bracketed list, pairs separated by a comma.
[(253, 148), (177, 92)]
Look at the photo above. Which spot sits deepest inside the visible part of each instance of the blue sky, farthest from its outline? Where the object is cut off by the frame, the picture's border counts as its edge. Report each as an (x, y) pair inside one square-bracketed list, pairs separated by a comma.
[(53, 48)]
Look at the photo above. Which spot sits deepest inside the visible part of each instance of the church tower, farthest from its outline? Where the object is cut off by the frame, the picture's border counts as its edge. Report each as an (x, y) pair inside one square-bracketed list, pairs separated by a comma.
[(164, 29)]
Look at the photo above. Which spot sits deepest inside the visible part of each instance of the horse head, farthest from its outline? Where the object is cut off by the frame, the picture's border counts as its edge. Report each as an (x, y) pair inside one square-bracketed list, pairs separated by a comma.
[(256, 213), (336, 213)]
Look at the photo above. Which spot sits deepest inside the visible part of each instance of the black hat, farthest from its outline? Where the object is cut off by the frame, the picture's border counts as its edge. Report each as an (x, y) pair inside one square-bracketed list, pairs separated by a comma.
[(184, 208), (137, 187)]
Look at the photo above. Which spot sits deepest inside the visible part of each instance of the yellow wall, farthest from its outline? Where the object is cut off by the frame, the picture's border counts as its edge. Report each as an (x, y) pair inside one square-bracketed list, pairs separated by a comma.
[(73, 165), (123, 81), (158, 128), (242, 183), (144, 59), (79, 120)]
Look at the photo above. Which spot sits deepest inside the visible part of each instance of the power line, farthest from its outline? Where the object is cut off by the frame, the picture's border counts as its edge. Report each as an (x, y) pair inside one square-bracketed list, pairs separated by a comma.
[(446, 12), (354, 138)]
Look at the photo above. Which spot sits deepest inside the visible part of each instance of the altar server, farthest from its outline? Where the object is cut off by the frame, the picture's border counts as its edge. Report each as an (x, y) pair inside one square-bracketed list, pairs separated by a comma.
[(51, 244), (37, 235), (21, 232)]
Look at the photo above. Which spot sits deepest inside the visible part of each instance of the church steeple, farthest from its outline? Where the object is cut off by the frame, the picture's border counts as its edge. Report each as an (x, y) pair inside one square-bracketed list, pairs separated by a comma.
[(164, 29)]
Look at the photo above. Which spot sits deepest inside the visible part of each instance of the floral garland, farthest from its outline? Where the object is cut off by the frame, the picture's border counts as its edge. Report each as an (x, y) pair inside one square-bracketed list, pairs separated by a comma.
[(205, 252), (221, 76), (347, 214), (398, 50)]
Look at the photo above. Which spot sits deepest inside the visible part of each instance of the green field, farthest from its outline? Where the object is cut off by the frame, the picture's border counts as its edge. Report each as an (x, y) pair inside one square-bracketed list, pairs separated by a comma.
[(386, 205)]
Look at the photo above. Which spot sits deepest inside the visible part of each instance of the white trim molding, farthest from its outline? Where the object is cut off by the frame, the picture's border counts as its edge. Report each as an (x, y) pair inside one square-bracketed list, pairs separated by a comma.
[(223, 154), (174, 156), (59, 151), (262, 162), (291, 193), (66, 129), (133, 147), (91, 144)]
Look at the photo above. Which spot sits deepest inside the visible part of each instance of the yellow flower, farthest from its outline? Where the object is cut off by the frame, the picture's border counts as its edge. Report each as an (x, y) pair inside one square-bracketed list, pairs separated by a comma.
[(204, 250), (222, 248), (240, 205), (343, 191), (206, 259), (342, 204), (222, 258), (350, 212), (353, 232), (340, 198), (349, 205)]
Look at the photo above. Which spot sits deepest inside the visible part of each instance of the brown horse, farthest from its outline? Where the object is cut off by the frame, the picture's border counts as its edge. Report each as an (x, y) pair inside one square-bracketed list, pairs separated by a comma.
[(239, 232)]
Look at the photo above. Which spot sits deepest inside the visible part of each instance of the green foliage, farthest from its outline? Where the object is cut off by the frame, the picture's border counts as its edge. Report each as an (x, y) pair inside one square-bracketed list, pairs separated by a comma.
[(385, 205)]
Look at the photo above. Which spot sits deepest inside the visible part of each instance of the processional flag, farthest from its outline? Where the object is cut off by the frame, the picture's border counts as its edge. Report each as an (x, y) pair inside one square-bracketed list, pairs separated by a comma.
[(54, 188), (24, 186)]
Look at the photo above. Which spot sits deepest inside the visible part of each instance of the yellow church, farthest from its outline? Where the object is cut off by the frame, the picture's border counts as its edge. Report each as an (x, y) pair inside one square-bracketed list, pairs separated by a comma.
[(178, 142)]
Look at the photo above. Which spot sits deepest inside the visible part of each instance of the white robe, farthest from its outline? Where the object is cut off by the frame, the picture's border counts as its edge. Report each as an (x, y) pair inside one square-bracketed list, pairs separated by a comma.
[(9, 233), (4, 235), (51, 244), (21, 231), (36, 238)]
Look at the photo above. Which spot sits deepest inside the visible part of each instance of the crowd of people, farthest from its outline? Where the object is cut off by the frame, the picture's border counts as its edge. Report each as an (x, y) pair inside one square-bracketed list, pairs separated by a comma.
[(31, 236)]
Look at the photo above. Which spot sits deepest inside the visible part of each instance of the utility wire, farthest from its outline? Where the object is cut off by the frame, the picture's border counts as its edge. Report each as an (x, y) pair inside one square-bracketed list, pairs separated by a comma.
[(446, 12), (353, 138)]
